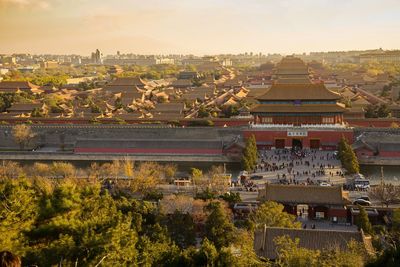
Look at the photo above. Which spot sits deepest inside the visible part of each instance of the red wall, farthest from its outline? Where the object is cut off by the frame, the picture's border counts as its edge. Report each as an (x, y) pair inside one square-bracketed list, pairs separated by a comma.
[(149, 151), (333, 136), (337, 213), (362, 152)]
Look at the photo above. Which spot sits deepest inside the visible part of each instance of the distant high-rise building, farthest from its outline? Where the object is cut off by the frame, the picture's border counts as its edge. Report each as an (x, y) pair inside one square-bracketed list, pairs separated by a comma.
[(96, 57)]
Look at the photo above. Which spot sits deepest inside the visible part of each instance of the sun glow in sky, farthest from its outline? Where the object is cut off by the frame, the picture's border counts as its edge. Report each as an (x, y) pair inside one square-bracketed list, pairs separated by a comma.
[(197, 26)]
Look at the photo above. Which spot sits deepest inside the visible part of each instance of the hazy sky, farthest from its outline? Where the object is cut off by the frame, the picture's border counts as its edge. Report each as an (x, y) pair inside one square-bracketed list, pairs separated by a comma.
[(197, 26)]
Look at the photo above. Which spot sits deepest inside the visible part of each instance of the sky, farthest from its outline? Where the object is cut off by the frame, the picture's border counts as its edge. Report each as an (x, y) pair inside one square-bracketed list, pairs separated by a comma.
[(197, 27)]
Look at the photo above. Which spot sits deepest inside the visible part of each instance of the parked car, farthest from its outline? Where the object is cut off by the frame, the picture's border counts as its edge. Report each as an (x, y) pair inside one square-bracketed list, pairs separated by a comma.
[(362, 202), (324, 184), (256, 177), (365, 198)]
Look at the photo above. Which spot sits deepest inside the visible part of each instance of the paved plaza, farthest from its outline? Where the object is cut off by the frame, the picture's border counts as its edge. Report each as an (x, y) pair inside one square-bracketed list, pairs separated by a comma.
[(306, 167)]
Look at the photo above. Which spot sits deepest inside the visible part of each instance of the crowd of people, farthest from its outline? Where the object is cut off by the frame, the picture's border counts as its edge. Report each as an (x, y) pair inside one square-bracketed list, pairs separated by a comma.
[(299, 166)]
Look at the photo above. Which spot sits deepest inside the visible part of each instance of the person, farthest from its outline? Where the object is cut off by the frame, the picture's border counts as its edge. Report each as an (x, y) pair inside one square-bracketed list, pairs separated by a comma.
[(7, 259)]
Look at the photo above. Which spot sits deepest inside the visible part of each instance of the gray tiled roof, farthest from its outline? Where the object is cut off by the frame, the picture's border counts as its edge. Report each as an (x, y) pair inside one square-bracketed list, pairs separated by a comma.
[(300, 194), (314, 239)]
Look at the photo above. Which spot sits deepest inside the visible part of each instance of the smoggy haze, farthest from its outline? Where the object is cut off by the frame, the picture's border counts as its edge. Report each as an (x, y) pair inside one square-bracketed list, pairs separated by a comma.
[(199, 27)]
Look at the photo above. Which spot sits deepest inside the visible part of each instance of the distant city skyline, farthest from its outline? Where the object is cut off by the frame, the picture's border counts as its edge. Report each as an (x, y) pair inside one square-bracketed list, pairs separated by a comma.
[(197, 27)]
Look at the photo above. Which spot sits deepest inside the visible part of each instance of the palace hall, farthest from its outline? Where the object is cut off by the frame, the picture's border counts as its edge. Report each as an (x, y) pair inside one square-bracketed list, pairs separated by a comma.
[(297, 112)]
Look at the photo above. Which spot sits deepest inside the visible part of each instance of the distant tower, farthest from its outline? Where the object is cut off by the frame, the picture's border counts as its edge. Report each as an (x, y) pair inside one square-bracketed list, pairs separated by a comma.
[(96, 57)]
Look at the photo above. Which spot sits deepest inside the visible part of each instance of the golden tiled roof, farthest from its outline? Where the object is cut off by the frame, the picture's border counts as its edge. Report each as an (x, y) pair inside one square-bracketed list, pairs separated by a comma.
[(289, 108), (299, 92)]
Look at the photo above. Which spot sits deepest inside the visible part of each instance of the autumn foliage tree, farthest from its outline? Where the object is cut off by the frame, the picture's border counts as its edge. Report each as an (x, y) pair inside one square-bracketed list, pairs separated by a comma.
[(22, 135)]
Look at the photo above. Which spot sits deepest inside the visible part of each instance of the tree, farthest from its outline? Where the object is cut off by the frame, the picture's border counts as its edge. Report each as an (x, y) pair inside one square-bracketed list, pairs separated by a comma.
[(271, 214), (363, 222), (197, 176), (377, 111), (37, 112), (146, 177), (218, 181), (348, 157), (18, 213), (10, 169), (383, 111), (250, 156), (40, 170), (396, 220), (389, 258), (172, 203), (385, 193), (371, 111), (63, 170), (22, 134), (181, 229), (203, 113), (218, 228), (290, 254), (230, 111), (170, 171), (207, 255)]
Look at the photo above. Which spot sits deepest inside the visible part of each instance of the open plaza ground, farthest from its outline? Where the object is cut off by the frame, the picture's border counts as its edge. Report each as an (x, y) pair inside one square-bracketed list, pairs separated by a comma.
[(307, 167)]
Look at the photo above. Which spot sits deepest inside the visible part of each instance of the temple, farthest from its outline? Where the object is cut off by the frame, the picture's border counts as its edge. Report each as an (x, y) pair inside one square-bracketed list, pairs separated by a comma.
[(295, 111), (294, 100), (298, 104)]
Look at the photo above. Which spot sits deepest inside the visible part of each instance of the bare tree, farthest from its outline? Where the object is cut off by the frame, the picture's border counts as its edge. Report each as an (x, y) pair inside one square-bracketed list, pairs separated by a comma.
[(10, 169), (22, 134), (171, 203), (218, 180), (385, 193)]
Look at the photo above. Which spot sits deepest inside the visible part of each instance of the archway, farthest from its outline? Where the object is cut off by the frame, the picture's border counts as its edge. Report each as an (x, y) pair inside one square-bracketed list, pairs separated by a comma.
[(302, 212), (297, 144)]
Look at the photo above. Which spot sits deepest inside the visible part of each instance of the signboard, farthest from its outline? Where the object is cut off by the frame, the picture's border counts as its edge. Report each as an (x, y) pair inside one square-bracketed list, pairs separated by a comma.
[(297, 133)]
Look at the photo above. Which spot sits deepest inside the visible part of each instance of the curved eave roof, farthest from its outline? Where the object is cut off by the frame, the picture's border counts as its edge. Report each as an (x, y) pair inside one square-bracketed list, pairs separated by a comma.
[(307, 108), (299, 92)]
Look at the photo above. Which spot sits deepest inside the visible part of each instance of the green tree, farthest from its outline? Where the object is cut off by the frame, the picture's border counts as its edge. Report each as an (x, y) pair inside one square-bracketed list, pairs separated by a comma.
[(291, 255), (383, 111), (36, 112), (218, 227), (250, 154), (207, 255), (271, 214), (230, 111), (18, 213), (348, 157), (389, 258), (78, 224), (371, 111), (203, 113), (181, 229), (363, 222)]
